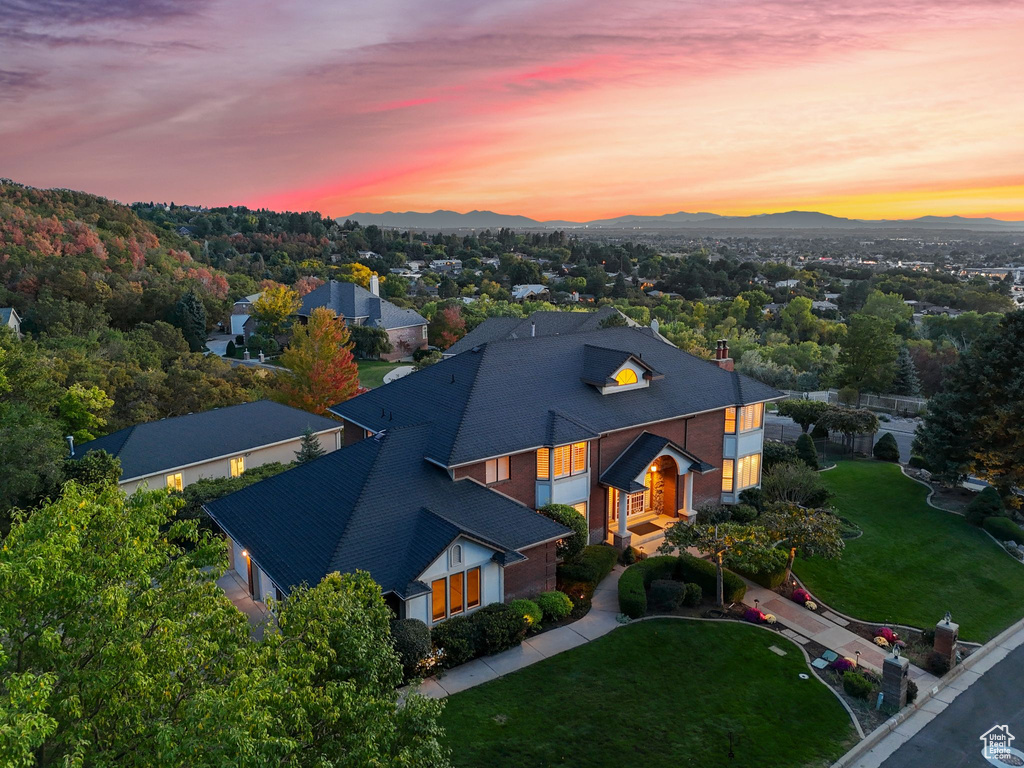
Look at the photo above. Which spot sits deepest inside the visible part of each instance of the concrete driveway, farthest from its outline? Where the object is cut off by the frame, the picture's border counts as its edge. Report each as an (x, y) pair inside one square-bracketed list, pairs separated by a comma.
[(218, 343)]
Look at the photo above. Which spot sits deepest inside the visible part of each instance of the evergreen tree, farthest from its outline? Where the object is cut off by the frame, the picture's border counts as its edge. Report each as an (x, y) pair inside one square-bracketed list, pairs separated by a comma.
[(906, 381), (190, 316), (309, 448), (619, 290)]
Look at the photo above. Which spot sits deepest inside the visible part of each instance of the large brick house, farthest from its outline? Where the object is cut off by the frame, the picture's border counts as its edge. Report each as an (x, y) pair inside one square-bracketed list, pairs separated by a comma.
[(406, 328), (435, 490)]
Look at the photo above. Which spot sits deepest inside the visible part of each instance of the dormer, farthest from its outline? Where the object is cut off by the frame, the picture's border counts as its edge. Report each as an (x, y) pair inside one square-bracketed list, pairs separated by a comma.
[(615, 370)]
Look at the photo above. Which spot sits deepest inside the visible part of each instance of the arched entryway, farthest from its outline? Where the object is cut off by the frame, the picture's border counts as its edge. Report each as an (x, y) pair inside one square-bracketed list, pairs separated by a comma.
[(662, 479)]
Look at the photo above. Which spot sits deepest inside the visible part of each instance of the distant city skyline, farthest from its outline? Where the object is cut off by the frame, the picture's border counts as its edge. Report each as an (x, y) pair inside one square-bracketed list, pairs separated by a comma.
[(558, 109)]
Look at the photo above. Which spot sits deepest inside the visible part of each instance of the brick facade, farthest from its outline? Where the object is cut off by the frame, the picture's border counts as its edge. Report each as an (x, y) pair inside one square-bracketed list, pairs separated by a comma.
[(405, 341), (535, 574)]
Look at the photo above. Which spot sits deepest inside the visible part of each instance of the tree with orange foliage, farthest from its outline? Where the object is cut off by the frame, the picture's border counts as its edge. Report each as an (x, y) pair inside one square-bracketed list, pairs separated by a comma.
[(321, 371), (446, 327)]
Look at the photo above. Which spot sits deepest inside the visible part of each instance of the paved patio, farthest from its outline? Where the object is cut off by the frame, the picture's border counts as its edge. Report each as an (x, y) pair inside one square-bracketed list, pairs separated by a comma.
[(599, 621), (238, 593)]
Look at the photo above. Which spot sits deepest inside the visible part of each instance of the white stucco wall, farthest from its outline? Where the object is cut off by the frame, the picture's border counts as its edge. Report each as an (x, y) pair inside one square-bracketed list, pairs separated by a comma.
[(473, 555), (221, 467)]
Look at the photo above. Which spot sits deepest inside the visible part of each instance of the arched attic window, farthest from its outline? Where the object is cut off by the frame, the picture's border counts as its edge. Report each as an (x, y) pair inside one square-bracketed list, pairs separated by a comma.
[(626, 376), (456, 555)]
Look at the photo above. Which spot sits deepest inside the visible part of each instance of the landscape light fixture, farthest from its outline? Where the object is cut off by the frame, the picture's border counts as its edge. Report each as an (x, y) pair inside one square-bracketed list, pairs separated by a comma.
[(948, 617)]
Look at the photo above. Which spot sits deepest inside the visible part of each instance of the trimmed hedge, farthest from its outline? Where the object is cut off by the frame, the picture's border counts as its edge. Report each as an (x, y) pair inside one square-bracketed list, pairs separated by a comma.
[(637, 578), (554, 605), (411, 638), (702, 572), (528, 609), (769, 579), (693, 595), (886, 448), (492, 629), (571, 546), (1004, 529), (666, 594), (856, 685), (593, 564)]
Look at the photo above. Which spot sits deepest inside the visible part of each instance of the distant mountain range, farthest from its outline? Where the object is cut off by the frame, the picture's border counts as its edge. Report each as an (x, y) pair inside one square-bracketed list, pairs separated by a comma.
[(682, 220)]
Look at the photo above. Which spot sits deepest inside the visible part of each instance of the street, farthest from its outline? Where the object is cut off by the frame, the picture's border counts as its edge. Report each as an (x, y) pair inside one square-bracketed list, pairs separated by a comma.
[(901, 429)]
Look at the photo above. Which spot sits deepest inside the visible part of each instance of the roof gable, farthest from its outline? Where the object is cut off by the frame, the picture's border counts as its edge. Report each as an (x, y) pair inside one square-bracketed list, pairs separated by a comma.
[(355, 303)]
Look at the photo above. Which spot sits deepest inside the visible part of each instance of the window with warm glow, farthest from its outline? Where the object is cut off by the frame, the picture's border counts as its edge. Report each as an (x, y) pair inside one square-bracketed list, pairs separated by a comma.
[(579, 458), (566, 460), (727, 475), (626, 376), (748, 471), (730, 421), (581, 508), (635, 503), (543, 463), (174, 482), (751, 416), (455, 595), (472, 588), (613, 504), (437, 595), (237, 466), (497, 470)]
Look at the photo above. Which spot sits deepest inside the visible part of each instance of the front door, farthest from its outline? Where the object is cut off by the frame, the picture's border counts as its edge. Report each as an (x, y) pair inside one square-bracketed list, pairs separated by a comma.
[(252, 580)]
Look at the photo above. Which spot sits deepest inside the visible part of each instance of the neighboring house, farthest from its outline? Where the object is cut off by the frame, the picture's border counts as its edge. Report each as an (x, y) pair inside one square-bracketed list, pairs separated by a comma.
[(241, 311), (10, 318), (406, 328), (446, 265), (537, 324), (435, 491), (787, 283), (175, 452), (825, 306), (529, 291)]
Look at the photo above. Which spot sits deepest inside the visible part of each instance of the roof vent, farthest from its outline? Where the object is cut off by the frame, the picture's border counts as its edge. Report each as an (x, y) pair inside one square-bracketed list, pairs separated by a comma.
[(380, 435), (453, 379)]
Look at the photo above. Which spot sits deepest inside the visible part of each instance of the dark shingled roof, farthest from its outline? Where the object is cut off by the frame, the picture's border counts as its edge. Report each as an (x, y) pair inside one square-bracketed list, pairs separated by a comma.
[(355, 303), (378, 506), (499, 400), (157, 446), (599, 363), (631, 463), (537, 324)]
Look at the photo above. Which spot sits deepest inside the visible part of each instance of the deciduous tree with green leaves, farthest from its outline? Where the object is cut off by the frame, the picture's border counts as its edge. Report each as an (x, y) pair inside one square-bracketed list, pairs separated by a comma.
[(803, 412), (811, 532), (868, 353), (274, 308)]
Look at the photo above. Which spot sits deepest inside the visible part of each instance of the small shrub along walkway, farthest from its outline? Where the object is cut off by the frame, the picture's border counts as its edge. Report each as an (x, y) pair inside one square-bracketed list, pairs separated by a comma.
[(913, 562), (655, 693)]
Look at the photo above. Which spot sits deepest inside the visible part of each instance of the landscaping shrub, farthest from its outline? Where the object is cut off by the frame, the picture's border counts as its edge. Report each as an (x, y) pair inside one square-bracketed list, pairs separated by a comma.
[(229, 350), (419, 354), (800, 595), (806, 451), (775, 453), (769, 577), (666, 594), (753, 497), (501, 627), (239, 340), (985, 504), (744, 513), (529, 610), (632, 595), (592, 564), (628, 556), (554, 605), (842, 665), (1004, 529), (795, 483), (856, 685), (412, 643), (693, 595), (571, 546), (938, 664), (886, 448), (702, 572), (917, 462), (459, 639), (911, 692)]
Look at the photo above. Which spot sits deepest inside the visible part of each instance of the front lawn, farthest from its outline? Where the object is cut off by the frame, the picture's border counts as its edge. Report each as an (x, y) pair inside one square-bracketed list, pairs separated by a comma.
[(372, 372), (913, 562), (654, 693)]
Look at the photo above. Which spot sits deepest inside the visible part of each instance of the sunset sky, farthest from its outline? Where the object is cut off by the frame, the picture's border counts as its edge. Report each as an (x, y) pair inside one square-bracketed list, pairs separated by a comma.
[(547, 108)]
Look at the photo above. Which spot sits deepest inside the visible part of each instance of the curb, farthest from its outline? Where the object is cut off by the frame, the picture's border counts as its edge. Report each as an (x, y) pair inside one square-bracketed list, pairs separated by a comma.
[(849, 759)]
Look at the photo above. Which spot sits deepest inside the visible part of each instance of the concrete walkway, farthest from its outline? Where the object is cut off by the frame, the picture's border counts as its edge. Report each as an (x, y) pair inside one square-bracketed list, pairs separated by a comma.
[(398, 373), (237, 592), (826, 628), (602, 619)]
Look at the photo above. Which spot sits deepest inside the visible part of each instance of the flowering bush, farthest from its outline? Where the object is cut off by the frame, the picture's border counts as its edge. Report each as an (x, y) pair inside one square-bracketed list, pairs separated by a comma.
[(801, 596), (754, 616), (887, 634), (842, 664), (810, 605), (769, 618), (881, 642), (900, 644)]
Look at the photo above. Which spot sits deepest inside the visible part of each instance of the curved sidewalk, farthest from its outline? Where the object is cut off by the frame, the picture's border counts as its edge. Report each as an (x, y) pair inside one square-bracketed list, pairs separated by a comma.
[(601, 620)]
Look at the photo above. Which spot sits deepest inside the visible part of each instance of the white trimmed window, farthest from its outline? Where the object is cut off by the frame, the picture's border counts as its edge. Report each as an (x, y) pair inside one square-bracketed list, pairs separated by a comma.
[(174, 482), (635, 503), (741, 473), (743, 419), (496, 470), (453, 594), (563, 461), (237, 466)]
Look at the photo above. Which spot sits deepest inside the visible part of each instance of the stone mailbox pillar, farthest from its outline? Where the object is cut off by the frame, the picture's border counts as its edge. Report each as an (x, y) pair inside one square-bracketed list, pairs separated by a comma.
[(895, 676), (946, 635)]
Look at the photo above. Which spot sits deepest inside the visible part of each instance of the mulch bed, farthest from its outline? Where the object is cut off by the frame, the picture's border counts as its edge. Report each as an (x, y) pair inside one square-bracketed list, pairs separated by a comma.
[(952, 499)]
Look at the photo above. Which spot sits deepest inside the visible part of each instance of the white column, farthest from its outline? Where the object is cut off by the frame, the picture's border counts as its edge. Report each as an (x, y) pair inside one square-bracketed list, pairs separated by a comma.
[(689, 496), (623, 529)]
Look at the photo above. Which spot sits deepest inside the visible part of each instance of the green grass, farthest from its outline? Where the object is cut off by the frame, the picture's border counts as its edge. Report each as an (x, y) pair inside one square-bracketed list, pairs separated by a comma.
[(913, 562), (655, 693), (372, 372)]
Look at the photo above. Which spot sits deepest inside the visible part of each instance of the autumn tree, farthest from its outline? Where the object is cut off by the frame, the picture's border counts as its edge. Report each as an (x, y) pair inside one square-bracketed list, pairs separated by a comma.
[(446, 327), (320, 369), (811, 532), (355, 272), (274, 308), (117, 647)]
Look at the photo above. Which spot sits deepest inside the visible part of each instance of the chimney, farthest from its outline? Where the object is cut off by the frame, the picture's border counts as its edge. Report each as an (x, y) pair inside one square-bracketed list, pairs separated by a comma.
[(374, 285), (722, 355), (71, 445), (533, 329)]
